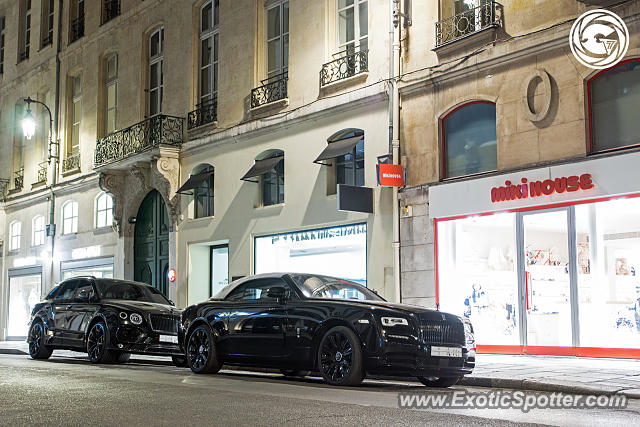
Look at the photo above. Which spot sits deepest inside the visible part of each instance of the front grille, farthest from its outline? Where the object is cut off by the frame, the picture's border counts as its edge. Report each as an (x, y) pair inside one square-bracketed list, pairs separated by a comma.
[(442, 333), (162, 323)]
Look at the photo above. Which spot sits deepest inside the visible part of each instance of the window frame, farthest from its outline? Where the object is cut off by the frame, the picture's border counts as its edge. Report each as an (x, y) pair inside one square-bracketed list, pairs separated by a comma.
[(26, 42), (158, 60), (73, 218), (15, 237), (443, 141), (354, 163), (209, 210), (73, 147), (2, 42), (37, 233), (273, 174), (256, 283), (108, 210), (343, 48), (591, 149), (213, 34), (281, 68), (47, 23), (110, 81)]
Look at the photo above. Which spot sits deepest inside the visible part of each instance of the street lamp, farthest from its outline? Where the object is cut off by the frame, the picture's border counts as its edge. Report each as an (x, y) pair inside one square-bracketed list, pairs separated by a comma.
[(29, 125)]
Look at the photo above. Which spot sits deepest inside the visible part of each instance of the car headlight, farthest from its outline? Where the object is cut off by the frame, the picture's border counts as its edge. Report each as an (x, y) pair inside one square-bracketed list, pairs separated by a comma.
[(135, 318), (468, 334), (394, 321), (123, 315)]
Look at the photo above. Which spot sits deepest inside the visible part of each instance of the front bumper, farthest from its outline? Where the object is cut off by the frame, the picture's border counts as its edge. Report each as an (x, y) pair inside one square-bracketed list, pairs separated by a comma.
[(134, 339)]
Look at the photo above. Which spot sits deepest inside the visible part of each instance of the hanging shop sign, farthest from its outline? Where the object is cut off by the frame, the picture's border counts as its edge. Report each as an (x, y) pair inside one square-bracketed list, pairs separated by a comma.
[(390, 175), (537, 188)]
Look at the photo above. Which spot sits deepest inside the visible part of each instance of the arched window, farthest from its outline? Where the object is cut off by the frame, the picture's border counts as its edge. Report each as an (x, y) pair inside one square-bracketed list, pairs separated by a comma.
[(104, 210), (156, 61), (15, 232), (37, 231), (272, 182), (203, 194), (614, 96), (469, 140), (70, 217), (350, 166)]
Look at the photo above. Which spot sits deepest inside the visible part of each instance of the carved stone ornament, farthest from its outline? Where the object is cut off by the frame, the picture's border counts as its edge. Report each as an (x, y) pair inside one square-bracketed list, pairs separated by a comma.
[(165, 175), (545, 80), (114, 184)]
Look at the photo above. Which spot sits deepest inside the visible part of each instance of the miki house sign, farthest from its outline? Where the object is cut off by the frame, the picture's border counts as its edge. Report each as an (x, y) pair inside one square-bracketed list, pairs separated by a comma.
[(526, 189)]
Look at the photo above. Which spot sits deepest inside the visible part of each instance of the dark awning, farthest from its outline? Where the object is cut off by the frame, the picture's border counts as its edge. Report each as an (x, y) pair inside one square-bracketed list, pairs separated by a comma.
[(194, 181), (260, 167), (338, 148)]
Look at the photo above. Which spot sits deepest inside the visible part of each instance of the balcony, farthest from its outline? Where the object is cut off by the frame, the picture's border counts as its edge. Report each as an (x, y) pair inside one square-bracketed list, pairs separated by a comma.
[(42, 173), (205, 112), (467, 23), (111, 10), (71, 164), (4, 187), (139, 138), (344, 67), (272, 90), (77, 29), (18, 180)]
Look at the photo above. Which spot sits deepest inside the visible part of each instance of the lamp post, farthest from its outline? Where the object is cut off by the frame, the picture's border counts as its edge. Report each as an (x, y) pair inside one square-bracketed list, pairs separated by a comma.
[(29, 126)]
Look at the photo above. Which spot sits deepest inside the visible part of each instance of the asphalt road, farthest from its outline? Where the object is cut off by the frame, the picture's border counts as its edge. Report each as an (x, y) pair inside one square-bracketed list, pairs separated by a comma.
[(68, 390)]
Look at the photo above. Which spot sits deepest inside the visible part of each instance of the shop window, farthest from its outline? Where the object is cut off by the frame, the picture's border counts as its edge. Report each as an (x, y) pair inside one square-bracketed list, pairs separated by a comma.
[(156, 76), (350, 167), (104, 210), (272, 182), (203, 194), (614, 96), (469, 140), (37, 237), (110, 93), (70, 217), (24, 294), (15, 233)]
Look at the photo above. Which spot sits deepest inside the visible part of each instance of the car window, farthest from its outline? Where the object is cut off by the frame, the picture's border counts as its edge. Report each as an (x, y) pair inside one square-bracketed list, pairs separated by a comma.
[(66, 290), (52, 293), (84, 287), (256, 290), (132, 291)]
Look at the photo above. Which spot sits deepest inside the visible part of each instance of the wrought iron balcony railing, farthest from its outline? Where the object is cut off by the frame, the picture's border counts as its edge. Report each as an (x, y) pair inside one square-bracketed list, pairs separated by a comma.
[(111, 10), (344, 67), (71, 163), (272, 89), (205, 112), (18, 179), (77, 29), (4, 188), (42, 172), (465, 23), (147, 134)]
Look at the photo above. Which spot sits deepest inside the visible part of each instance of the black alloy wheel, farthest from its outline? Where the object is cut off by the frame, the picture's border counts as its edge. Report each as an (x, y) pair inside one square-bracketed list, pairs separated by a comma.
[(97, 345), (201, 352), (37, 348), (179, 361), (442, 382), (340, 357)]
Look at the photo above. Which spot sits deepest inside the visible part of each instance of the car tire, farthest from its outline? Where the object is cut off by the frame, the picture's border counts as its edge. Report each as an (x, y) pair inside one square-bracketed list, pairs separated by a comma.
[(441, 382), (37, 348), (123, 357), (97, 341), (293, 373), (201, 351), (179, 361), (340, 357)]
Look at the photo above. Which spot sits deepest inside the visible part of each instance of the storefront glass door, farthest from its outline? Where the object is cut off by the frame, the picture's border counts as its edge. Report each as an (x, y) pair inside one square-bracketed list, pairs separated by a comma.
[(547, 278), (24, 294)]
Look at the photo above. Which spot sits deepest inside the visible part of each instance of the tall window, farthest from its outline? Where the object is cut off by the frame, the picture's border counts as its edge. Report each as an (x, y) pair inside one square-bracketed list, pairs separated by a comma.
[(15, 232), (110, 10), (76, 115), (111, 93), (70, 217), (2, 25), (209, 20), (277, 38), (104, 210), (26, 31), (37, 234), (614, 95), (76, 19), (203, 194), (353, 26), (350, 167), (156, 60), (46, 28), (273, 182), (469, 140)]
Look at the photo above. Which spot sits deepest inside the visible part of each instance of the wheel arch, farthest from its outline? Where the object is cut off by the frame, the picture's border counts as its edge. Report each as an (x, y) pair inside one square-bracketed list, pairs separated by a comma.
[(322, 330), (97, 318)]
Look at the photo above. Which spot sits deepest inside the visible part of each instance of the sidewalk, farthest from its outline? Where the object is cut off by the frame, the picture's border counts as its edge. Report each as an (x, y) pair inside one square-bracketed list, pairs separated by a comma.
[(539, 373)]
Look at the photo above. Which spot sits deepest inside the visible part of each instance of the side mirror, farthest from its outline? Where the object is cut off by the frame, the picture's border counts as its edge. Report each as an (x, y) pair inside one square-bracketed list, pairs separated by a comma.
[(277, 292), (85, 295), (172, 303)]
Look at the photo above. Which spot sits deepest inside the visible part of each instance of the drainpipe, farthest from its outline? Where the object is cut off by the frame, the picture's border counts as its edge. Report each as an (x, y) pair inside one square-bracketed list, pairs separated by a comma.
[(395, 142)]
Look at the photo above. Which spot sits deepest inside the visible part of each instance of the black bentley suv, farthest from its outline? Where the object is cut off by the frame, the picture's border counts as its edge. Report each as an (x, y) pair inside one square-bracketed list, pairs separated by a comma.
[(304, 322), (106, 318)]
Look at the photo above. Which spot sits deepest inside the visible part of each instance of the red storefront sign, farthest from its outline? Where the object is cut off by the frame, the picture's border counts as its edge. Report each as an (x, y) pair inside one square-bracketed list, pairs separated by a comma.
[(547, 187), (390, 175)]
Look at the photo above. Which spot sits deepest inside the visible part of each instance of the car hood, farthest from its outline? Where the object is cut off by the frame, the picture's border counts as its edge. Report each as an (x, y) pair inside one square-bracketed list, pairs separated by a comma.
[(148, 307), (423, 313)]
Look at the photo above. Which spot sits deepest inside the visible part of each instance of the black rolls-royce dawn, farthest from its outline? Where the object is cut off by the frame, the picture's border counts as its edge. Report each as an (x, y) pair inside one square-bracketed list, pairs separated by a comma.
[(304, 322), (106, 318)]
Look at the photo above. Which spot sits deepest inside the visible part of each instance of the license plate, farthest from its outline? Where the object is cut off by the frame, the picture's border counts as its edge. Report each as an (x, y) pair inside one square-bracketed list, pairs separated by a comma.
[(168, 338), (446, 351)]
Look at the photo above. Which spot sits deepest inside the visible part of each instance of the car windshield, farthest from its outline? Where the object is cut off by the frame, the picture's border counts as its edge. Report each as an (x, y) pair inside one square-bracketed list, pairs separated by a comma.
[(118, 289), (315, 286)]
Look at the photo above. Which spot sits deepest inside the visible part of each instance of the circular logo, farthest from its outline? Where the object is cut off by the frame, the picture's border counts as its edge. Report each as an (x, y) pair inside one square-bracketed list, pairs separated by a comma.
[(135, 318), (171, 274), (599, 39)]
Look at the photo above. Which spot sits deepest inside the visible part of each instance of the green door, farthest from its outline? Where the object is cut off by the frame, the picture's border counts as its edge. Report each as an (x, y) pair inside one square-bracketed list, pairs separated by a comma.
[(151, 243)]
